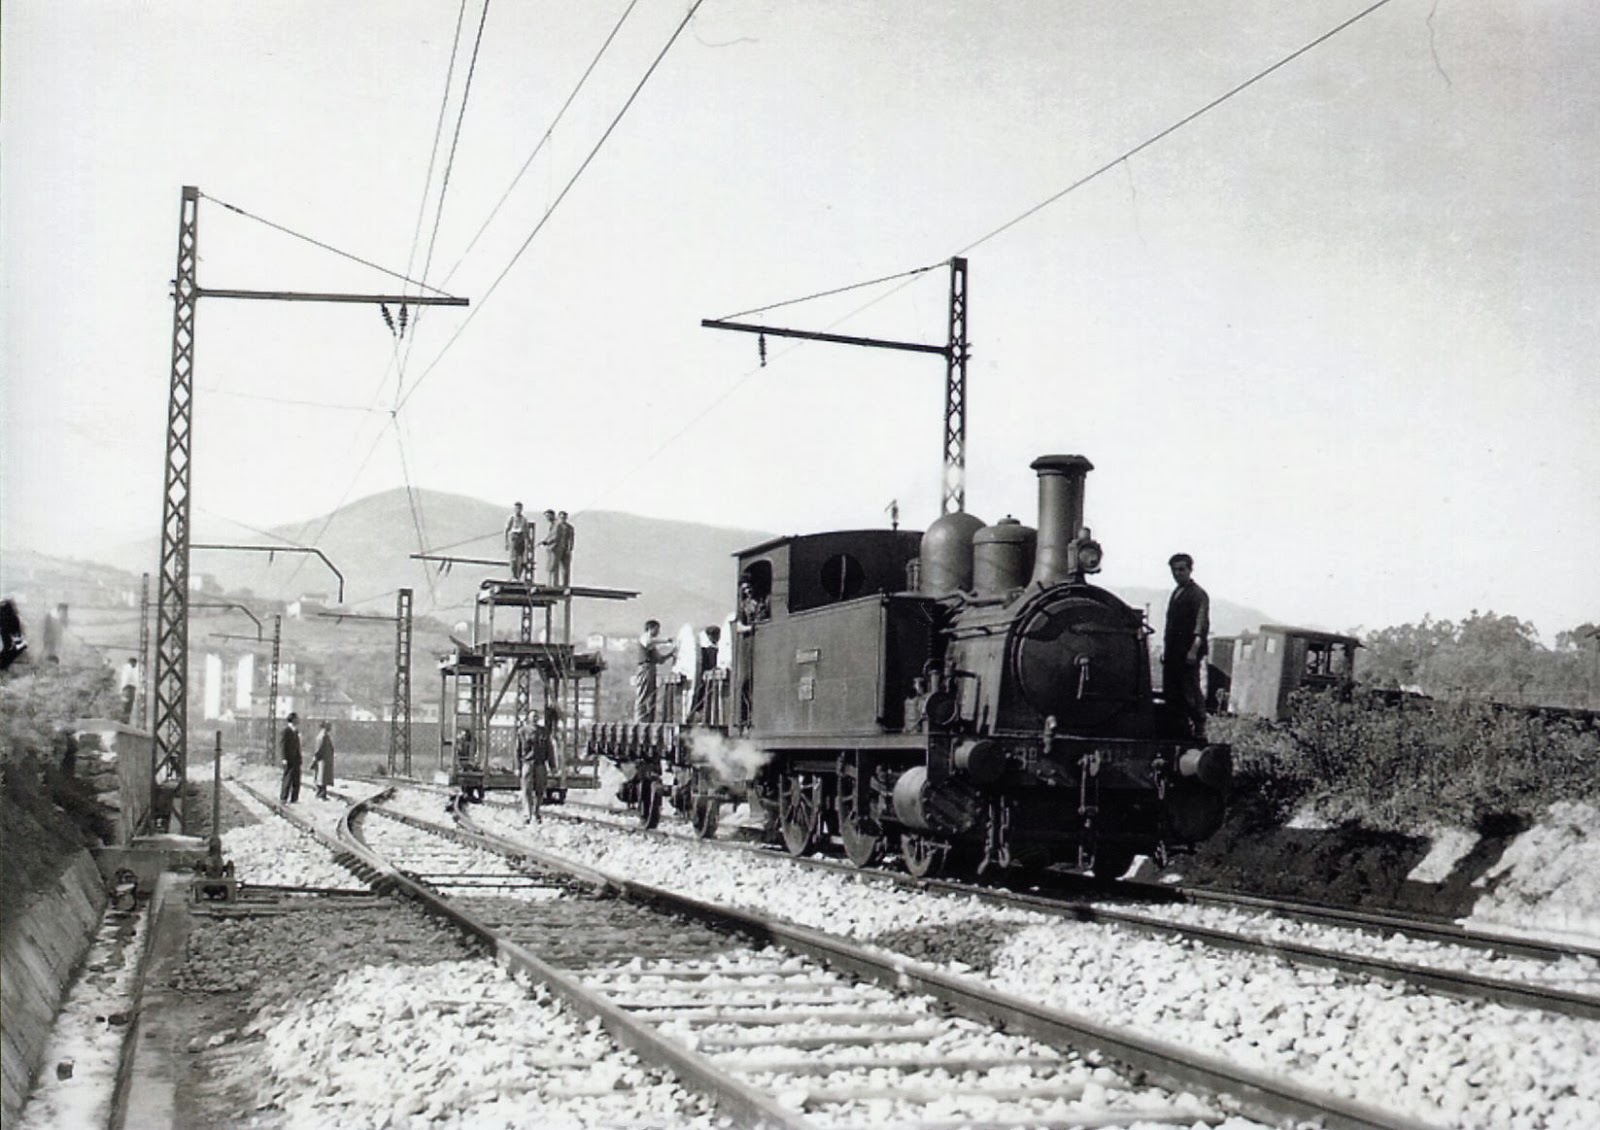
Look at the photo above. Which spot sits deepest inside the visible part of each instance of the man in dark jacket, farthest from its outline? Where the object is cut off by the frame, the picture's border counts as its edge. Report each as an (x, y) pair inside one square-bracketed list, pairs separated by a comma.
[(1184, 643), (289, 790)]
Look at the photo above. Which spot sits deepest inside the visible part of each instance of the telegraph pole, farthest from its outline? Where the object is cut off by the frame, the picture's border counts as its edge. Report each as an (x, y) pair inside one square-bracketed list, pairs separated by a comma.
[(170, 724), (953, 476)]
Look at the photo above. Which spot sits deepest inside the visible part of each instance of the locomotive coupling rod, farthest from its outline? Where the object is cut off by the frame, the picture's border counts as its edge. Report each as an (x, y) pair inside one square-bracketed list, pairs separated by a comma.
[(841, 339)]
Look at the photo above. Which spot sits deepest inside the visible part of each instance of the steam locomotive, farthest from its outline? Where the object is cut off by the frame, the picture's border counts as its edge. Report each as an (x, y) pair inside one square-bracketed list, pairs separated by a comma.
[(964, 697)]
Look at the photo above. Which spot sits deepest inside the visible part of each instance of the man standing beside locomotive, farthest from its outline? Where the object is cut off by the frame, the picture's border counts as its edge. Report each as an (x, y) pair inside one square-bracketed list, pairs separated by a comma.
[(1183, 647)]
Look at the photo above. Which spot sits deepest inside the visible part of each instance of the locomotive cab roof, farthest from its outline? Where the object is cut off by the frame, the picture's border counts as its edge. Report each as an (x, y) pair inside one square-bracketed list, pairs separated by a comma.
[(801, 571)]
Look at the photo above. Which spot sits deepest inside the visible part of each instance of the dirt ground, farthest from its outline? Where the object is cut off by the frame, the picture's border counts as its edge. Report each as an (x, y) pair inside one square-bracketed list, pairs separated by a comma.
[(1343, 866)]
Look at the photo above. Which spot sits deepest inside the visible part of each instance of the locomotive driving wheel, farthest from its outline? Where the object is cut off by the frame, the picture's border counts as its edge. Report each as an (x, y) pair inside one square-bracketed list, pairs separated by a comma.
[(706, 813), (649, 802), (800, 811), (1111, 861), (924, 856), (863, 842)]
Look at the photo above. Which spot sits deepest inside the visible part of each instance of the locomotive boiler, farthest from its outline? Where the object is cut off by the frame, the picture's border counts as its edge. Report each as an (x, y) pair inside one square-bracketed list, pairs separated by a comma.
[(964, 697)]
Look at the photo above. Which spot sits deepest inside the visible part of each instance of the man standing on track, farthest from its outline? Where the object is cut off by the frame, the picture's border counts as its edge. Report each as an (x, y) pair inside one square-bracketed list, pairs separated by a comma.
[(517, 530), (533, 766), (1184, 640), (289, 790), (322, 761)]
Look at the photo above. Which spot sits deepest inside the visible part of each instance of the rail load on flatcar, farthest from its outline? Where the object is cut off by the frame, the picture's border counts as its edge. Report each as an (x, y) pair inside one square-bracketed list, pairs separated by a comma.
[(964, 697), (1254, 673)]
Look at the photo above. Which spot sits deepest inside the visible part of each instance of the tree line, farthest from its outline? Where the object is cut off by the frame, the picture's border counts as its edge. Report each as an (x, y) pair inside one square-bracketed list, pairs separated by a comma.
[(1485, 657)]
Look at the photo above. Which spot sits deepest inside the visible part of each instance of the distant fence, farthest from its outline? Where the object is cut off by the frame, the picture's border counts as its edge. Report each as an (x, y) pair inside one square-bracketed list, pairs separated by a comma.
[(358, 746)]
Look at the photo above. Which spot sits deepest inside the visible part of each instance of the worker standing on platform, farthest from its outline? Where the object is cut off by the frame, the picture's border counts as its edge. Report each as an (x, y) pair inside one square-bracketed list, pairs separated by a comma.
[(128, 685), (517, 530), (650, 654), (558, 568)]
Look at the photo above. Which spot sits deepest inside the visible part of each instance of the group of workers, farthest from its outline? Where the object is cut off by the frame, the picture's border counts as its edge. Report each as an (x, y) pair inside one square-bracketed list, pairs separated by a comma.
[(559, 536), (650, 652)]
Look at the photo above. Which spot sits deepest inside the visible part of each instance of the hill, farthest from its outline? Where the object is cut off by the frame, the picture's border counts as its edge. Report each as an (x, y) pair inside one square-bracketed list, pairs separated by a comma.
[(682, 570)]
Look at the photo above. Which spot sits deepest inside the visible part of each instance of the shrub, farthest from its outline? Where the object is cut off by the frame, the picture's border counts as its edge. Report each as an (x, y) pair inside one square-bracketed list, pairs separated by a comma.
[(45, 814), (1401, 767)]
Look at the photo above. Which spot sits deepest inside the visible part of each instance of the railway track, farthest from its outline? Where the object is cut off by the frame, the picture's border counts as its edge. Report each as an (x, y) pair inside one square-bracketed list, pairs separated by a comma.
[(1559, 979), (789, 1026)]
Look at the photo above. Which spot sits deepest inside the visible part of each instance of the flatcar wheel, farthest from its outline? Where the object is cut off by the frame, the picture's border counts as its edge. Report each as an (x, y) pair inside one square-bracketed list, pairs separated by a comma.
[(707, 813), (800, 812), (924, 856), (861, 846), (649, 802)]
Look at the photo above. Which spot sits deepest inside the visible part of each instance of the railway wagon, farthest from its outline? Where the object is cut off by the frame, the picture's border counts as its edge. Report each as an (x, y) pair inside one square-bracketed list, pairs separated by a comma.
[(964, 697), (1254, 673)]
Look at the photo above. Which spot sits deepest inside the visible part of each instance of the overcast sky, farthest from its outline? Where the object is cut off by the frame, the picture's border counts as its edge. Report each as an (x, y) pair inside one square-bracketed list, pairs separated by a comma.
[(1335, 337)]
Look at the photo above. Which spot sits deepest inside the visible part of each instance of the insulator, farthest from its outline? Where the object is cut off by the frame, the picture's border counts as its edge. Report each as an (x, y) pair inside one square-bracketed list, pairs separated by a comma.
[(388, 318), (405, 316), (761, 348)]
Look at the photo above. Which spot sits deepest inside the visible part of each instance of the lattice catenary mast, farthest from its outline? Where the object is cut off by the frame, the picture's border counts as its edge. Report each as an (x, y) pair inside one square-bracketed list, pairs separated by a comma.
[(170, 724)]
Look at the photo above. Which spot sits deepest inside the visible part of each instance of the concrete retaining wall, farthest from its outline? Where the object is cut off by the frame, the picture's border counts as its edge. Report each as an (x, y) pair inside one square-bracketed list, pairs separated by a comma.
[(42, 949)]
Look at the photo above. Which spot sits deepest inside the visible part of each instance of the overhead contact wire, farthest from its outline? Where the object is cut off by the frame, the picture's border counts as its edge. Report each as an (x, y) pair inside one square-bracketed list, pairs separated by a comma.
[(910, 276), (1174, 127), (587, 161), (540, 144)]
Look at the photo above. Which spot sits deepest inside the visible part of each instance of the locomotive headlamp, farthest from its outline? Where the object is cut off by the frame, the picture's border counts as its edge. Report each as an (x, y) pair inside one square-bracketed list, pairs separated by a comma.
[(1087, 554)]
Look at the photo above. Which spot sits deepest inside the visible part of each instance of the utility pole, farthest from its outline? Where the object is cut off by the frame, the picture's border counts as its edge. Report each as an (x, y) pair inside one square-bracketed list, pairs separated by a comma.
[(400, 715), (144, 651), (170, 724), (400, 709), (272, 687), (953, 476)]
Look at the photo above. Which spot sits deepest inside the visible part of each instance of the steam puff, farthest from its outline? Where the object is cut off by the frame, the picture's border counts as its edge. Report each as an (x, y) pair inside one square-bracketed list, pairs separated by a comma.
[(731, 760)]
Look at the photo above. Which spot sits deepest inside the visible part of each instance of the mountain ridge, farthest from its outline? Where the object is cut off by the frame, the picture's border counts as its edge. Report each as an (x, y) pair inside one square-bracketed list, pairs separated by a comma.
[(683, 571)]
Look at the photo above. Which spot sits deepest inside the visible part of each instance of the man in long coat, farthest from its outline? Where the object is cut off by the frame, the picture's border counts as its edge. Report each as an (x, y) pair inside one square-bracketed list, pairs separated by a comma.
[(289, 790), (322, 761)]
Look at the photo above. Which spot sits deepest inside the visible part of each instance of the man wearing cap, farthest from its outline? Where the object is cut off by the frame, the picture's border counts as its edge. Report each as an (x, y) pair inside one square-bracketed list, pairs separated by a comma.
[(1184, 640), (517, 540), (289, 790)]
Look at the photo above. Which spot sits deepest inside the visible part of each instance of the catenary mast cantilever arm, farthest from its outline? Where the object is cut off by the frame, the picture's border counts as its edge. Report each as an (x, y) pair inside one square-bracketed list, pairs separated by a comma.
[(953, 471), (229, 604), (812, 335), (279, 549), (309, 296)]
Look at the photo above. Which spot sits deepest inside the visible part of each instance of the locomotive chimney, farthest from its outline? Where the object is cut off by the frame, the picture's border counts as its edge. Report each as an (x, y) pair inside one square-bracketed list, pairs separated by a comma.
[(1061, 481)]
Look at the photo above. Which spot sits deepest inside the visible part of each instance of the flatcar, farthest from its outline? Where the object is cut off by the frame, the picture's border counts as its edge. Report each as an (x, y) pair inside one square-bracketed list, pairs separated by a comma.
[(964, 697)]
